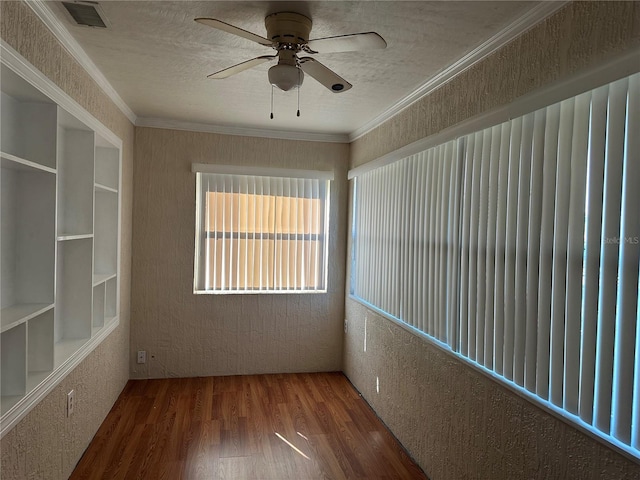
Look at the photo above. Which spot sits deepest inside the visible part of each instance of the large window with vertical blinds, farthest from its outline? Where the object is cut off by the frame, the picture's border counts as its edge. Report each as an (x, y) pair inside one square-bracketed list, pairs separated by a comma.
[(263, 233), (518, 247)]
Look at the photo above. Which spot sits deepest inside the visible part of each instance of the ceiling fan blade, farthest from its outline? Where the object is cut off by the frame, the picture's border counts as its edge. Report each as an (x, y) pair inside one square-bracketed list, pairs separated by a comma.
[(225, 27), (324, 75), (241, 67), (346, 43)]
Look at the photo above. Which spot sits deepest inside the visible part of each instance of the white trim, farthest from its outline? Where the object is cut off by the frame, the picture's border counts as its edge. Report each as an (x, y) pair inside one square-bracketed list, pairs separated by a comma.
[(45, 13), (241, 131), (496, 42), (35, 77), (261, 171), (26, 404), (604, 73), (520, 25)]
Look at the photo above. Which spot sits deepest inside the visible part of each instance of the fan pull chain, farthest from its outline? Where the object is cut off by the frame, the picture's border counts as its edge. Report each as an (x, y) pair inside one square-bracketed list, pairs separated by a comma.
[(271, 102), (299, 85)]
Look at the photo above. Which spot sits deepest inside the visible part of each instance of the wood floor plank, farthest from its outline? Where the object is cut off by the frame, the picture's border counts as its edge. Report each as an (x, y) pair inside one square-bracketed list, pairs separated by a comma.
[(281, 426)]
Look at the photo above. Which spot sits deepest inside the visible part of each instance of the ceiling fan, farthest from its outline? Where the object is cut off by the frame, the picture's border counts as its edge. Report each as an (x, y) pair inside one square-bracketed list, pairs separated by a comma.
[(288, 35)]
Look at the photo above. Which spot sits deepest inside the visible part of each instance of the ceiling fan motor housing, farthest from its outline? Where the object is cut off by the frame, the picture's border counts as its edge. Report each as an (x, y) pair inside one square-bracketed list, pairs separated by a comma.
[(288, 28)]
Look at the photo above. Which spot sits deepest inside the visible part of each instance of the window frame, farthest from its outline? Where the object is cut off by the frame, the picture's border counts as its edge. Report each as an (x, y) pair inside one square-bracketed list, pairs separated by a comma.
[(323, 194)]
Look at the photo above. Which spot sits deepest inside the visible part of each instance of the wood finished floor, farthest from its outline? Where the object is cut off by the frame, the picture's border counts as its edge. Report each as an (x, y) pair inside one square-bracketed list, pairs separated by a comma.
[(285, 426)]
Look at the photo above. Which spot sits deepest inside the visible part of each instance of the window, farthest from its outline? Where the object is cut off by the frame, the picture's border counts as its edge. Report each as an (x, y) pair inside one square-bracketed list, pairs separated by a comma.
[(518, 248), (260, 233)]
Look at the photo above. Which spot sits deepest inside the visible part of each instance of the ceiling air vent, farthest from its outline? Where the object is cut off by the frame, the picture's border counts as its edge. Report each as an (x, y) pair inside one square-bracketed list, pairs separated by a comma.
[(85, 13)]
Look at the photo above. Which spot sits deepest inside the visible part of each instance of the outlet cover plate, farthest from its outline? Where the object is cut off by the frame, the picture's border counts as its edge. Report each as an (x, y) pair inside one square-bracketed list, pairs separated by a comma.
[(71, 402), (142, 356)]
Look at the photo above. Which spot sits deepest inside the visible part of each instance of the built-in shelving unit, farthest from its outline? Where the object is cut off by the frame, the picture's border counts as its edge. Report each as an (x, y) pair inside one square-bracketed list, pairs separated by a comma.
[(60, 214)]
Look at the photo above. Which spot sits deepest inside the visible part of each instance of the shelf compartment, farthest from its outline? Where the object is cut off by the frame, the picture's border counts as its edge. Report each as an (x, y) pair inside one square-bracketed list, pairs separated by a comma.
[(13, 366), (105, 234), (111, 299), (105, 189), (40, 344), (102, 278), (107, 168), (28, 236), (98, 306), (16, 314), (74, 277), (28, 120), (75, 177), (17, 163), (64, 349)]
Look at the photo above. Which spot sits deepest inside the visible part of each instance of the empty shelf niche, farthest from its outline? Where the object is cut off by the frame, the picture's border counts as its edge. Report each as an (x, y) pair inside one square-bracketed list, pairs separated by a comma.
[(29, 121), (28, 241), (75, 177), (74, 292)]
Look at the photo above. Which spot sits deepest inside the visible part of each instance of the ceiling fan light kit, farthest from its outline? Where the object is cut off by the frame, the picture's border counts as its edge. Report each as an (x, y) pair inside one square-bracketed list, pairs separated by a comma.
[(287, 73), (288, 34)]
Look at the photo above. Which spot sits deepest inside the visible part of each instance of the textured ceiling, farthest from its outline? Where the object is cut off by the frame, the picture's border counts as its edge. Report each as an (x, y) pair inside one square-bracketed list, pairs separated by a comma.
[(157, 58)]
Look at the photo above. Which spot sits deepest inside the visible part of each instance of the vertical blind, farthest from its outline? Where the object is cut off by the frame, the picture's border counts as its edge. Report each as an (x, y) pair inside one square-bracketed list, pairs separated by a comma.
[(519, 247), (260, 234)]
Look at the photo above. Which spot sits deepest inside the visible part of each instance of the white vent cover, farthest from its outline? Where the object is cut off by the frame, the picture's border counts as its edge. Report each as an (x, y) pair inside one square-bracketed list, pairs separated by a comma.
[(85, 14)]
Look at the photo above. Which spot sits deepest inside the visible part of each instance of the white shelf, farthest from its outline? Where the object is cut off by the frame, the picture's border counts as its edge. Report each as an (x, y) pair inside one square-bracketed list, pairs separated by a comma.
[(17, 163), (20, 313), (66, 236), (105, 189), (64, 350), (99, 278)]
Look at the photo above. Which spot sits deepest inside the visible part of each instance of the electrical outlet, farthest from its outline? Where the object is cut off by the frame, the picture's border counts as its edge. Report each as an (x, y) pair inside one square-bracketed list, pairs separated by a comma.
[(71, 402), (345, 325), (142, 356)]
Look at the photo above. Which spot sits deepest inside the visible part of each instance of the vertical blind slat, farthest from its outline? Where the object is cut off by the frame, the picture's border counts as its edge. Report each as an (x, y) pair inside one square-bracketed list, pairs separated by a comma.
[(419, 213), (609, 254), (440, 245), (425, 241), (635, 420), (510, 248), (489, 314), (453, 244), (500, 236), (473, 245), (546, 250), (560, 236), (522, 227), (575, 251), (591, 273), (485, 166), (465, 248)]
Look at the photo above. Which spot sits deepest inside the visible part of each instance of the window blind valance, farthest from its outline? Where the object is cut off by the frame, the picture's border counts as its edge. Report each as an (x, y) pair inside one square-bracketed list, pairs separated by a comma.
[(260, 171)]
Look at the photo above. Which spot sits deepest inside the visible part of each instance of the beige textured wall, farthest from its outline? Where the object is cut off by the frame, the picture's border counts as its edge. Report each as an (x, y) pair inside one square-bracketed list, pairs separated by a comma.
[(455, 421), (45, 444), (198, 335)]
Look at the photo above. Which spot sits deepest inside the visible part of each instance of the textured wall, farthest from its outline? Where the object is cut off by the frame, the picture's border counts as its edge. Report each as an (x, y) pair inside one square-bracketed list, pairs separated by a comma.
[(197, 335), (455, 421), (45, 444), (578, 36)]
